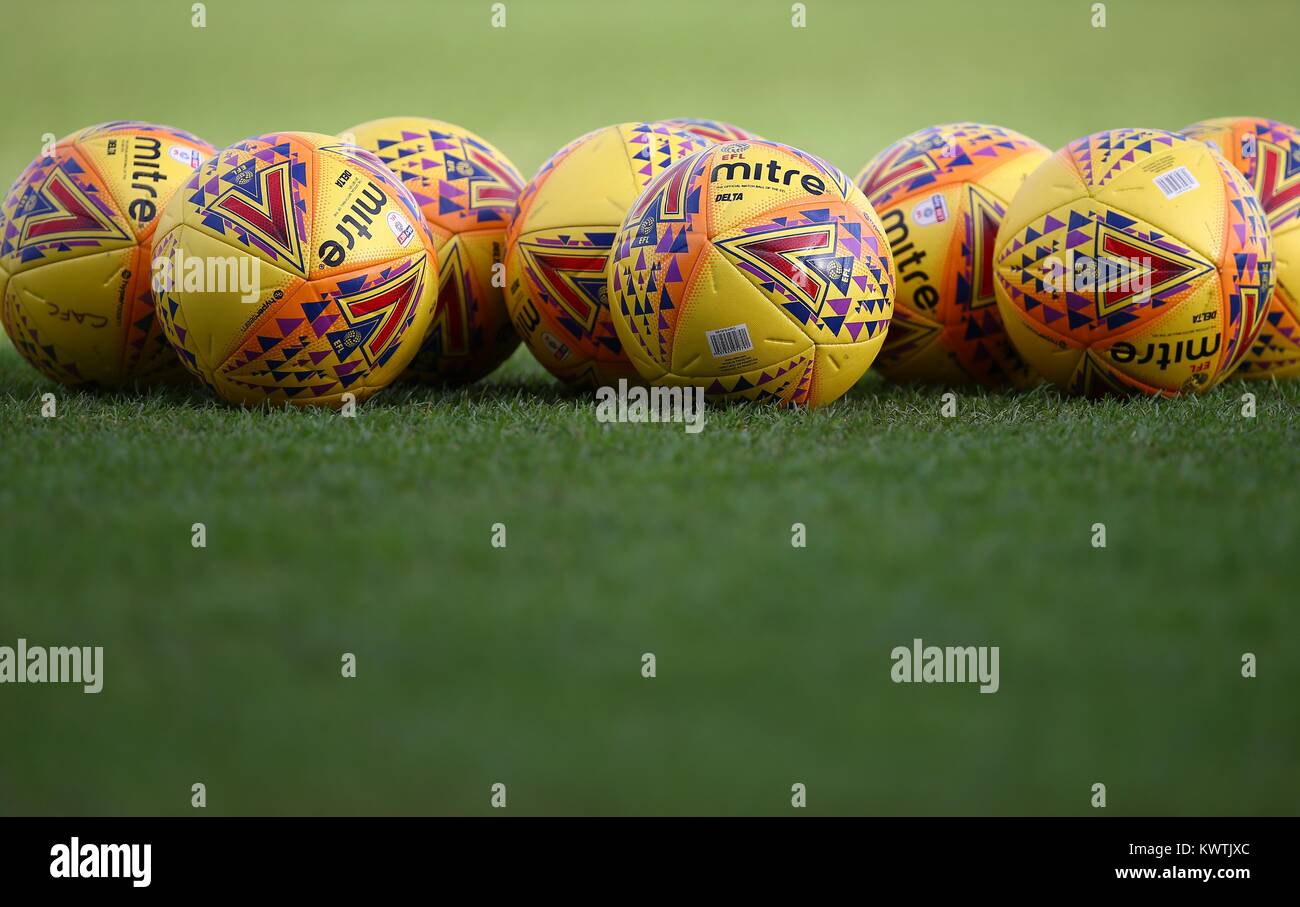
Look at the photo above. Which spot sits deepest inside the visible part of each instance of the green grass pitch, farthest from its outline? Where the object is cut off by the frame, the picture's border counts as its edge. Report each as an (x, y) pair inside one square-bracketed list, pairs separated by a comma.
[(522, 665)]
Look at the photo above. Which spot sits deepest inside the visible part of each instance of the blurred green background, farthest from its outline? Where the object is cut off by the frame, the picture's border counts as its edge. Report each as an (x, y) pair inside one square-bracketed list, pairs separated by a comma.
[(522, 665), (857, 77)]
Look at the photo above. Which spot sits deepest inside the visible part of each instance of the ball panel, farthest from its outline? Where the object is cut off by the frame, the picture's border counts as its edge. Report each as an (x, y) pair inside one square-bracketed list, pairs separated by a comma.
[(930, 159), (1222, 133), (1095, 377), (1055, 184), (143, 166), (559, 276), (1089, 272), (824, 264), (915, 351), (363, 215), (1276, 351), (587, 185), (1004, 180), (1057, 358), (60, 208), (460, 180), (206, 319), (1245, 268), (1267, 154), (1173, 184), (1179, 350), (334, 335), (147, 356), (923, 233), (787, 382), (654, 262), (748, 180), (837, 367), (69, 316), (727, 325), (973, 332), (470, 334), (256, 196)]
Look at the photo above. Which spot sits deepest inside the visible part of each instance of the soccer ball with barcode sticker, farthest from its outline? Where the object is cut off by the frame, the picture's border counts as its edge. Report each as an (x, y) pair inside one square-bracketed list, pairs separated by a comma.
[(755, 271), (1268, 154), (557, 250), (1134, 261), (76, 233), (295, 268), (941, 194), (467, 190)]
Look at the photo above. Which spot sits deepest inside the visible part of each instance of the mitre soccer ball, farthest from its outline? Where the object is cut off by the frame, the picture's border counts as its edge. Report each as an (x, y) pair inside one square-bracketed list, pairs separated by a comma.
[(1268, 154), (560, 238), (754, 271), (1134, 261), (712, 130), (294, 267), (941, 194), (76, 232), (466, 189)]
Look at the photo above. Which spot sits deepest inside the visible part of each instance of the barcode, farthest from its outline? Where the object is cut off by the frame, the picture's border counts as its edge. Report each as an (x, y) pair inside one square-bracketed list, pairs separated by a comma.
[(729, 340), (1176, 182)]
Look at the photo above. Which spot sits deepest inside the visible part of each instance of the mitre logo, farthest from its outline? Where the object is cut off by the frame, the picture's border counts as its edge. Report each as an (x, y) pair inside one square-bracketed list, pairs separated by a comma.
[(356, 223), (771, 171), (1162, 354)]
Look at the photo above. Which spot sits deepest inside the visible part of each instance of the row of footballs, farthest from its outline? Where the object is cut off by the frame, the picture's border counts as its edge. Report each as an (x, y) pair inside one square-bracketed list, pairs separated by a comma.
[(681, 252)]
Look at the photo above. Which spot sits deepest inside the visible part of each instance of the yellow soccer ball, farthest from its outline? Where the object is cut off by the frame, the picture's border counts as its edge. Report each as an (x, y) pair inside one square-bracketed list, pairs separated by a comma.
[(1268, 154), (295, 268), (941, 194), (1134, 261), (755, 271), (76, 236), (557, 251), (467, 190)]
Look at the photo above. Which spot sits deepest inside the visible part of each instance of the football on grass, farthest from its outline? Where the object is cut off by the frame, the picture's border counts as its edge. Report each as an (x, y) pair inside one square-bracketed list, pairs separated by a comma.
[(557, 252), (295, 268), (1268, 154), (1134, 261), (941, 194), (466, 189), (755, 271), (76, 237)]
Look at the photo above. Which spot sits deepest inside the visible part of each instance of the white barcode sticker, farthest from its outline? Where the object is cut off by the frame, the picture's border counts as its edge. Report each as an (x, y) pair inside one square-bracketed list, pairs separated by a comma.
[(1176, 182), (728, 341)]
